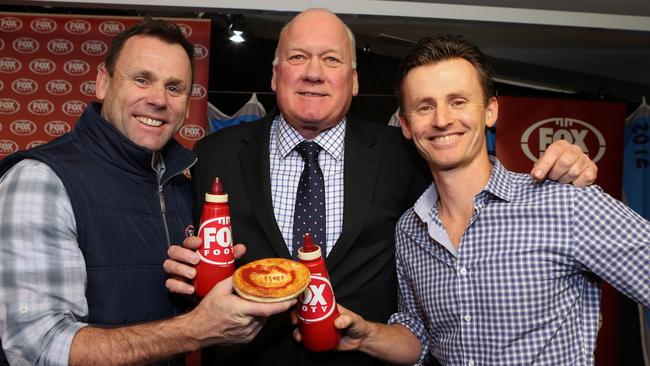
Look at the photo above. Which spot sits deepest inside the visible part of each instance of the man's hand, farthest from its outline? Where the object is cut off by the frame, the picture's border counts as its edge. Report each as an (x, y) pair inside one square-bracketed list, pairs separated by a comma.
[(392, 343), (225, 318), (181, 262), (566, 163), (352, 326)]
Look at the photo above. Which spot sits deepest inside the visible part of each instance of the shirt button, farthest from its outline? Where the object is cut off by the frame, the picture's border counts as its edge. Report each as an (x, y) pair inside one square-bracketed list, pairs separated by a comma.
[(23, 309), (467, 317), (463, 271), (470, 363)]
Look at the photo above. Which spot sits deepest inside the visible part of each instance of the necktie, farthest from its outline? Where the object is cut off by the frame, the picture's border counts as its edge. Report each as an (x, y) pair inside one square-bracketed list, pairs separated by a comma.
[(309, 213)]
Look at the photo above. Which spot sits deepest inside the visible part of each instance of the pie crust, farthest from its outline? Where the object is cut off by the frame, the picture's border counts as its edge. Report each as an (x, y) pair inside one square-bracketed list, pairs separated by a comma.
[(271, 280)]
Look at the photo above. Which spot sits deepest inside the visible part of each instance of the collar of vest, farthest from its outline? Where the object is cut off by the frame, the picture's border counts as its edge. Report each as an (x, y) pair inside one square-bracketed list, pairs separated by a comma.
[(105, 142)]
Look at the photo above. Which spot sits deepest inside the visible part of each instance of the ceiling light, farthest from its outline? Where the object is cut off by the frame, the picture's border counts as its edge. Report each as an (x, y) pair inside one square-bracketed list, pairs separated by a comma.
[(237, 28)]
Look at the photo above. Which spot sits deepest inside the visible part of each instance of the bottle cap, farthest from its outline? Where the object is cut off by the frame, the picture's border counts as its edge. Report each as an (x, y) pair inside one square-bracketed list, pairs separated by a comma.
[(216, 195), (309, 250)]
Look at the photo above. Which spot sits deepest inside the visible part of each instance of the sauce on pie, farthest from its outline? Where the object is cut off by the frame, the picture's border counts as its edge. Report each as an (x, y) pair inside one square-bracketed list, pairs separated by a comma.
[(271, 279)]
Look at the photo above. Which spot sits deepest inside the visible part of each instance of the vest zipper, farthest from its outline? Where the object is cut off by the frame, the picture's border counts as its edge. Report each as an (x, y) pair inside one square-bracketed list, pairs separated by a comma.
[(161, 197), (163, 211)]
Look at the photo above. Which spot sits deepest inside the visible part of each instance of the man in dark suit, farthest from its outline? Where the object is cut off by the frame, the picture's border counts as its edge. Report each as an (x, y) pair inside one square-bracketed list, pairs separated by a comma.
[(371, 177)]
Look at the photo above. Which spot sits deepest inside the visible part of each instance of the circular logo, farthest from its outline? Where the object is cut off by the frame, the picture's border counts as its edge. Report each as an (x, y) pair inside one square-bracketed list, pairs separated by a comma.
[(94, 48), (43, 25), (10, 24), (7, 147), (42, 66), (192, 132), (25, 45), (540, 135), (57, 128), (58, 87), (9, 65), (76, 67), (23, 127), (185, 29), (88, 88), (9, 106), (77, 26), (60, 46), (40, 107), (198, 91), (200, 51), (317, 302), (24, 86), (111, 27), (73, 107)]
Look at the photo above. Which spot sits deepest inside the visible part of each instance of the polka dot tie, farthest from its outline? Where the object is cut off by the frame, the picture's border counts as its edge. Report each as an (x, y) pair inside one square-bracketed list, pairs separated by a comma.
[(309, 215)]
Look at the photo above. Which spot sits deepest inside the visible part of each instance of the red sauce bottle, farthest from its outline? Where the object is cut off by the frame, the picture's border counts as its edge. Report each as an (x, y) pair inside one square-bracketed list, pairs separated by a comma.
[(316, 306), (216, 254)]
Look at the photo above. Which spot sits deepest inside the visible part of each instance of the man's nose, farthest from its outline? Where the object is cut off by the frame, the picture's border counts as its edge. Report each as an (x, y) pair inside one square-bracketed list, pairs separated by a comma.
[(157, 96), (443, 117), (314, 70)]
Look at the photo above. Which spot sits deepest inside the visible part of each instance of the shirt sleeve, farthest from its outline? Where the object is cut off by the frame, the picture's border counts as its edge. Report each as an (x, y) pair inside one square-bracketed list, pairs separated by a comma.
[(42, 269), (613, 242), (407, 308)]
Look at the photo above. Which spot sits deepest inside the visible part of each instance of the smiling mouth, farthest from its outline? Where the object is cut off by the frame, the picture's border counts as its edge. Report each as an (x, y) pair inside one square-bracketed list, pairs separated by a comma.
[(446, 138), (150, 121), (307, 94)]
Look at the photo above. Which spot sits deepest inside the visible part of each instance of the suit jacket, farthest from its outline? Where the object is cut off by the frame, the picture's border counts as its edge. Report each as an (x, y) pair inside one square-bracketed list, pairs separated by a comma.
[(382, 179)]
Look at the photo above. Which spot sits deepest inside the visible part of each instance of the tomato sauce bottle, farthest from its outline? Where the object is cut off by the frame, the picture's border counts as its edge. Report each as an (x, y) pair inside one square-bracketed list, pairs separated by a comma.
[(217, 260), (316, 306)]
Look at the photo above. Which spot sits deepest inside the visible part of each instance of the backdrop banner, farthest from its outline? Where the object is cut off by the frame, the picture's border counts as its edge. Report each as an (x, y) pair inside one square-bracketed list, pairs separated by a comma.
[(48, 67), (527, 126), (636, 188)]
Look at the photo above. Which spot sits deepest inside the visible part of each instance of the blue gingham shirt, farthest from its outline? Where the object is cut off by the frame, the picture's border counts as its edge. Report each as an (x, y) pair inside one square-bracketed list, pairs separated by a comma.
[(522, 288), (286, 167)]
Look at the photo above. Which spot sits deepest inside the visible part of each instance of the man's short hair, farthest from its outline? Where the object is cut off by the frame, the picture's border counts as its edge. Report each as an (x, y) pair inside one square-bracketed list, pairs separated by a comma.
[(158, 28), (431, 50)]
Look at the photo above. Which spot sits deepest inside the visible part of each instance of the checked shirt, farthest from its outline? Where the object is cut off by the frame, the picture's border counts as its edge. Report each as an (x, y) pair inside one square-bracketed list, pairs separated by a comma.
[(522, 289)]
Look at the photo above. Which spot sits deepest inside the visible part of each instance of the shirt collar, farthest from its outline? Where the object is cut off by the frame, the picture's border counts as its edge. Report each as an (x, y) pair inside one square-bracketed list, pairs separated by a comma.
[(331, 140), (499, 185)]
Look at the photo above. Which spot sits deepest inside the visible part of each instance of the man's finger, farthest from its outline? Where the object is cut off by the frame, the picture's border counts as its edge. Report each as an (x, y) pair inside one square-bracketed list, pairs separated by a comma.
[(182, 255), (192, 242), (239, 250), (179, 269), (178, 286)]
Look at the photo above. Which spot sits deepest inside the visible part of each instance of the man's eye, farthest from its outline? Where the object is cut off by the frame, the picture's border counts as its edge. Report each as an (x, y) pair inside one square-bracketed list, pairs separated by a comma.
[(174, 90), (458, 103), (425, 108), (296, 58), (332, 61), (141, 80)]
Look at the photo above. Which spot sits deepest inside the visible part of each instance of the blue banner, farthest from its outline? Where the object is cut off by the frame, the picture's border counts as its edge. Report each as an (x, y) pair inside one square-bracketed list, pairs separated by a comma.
[(636, 187)]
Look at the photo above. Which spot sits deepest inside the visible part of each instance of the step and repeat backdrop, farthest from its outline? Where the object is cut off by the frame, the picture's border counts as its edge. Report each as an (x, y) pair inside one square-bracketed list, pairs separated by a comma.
[(48, 66)]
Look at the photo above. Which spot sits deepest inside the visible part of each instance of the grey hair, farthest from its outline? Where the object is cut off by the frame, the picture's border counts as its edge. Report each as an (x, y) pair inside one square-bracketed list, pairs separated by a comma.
[(353, 44)]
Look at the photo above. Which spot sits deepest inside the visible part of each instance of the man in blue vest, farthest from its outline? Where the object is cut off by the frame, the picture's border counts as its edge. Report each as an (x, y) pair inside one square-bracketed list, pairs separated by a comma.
[(88, 218)]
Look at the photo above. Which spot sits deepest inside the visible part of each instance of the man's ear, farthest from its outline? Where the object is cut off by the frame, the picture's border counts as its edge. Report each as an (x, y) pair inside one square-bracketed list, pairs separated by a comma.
[(491, 112), (101, 83), (406, 128), (274, 77), (355, 83)]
